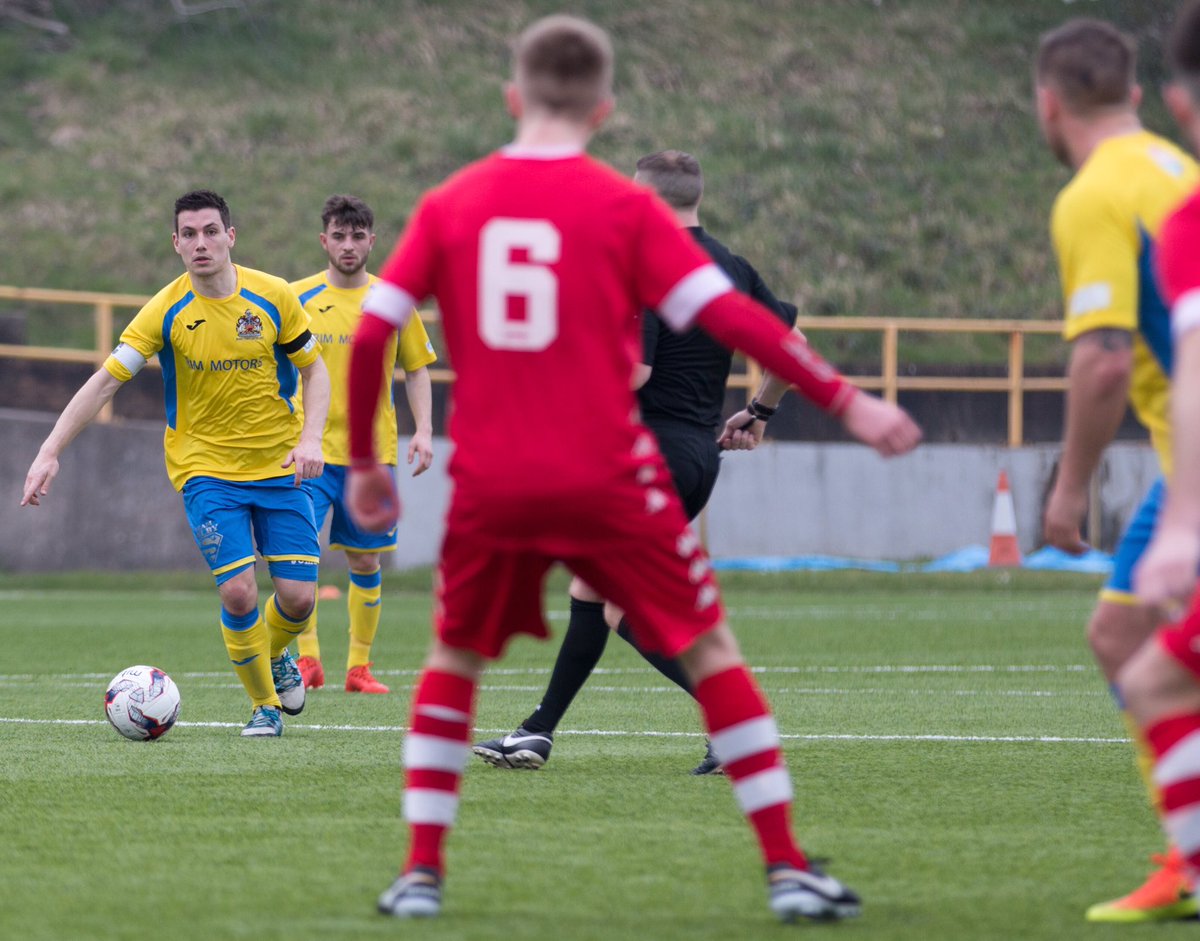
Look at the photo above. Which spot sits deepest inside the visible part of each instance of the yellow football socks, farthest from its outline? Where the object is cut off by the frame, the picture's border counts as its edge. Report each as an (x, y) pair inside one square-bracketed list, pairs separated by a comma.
[(283, 629), (364, 600), (246, 640), (307, 641)]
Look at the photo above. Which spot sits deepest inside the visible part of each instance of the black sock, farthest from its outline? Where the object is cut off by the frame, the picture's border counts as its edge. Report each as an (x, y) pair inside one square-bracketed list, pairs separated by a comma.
[(584, 642), (664, 665)]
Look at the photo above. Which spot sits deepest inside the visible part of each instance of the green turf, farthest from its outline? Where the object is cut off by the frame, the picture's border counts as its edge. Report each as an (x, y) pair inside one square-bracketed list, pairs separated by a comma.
[(954, 753)]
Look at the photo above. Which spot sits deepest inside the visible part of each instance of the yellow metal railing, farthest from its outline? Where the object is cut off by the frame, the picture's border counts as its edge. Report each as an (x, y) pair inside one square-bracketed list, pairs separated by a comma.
[(888, 382)]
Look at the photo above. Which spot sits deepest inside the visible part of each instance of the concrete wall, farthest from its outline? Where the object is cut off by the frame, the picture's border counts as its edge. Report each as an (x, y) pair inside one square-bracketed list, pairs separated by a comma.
[(112, 507)]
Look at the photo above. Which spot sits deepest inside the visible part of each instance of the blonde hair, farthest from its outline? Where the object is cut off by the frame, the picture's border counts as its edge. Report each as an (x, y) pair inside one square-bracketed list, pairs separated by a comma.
[(564, 64)]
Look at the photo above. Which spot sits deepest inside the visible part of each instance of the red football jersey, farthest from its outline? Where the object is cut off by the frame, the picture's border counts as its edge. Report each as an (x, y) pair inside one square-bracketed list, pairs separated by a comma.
[(1179, 265), (540, 262)]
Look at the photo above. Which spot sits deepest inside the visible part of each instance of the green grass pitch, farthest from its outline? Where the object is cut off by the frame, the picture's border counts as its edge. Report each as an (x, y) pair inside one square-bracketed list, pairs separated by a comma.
[(955, 754)]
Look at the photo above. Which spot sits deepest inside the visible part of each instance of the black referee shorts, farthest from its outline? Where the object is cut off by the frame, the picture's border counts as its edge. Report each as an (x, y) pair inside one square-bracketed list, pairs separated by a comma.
[(694, 459)]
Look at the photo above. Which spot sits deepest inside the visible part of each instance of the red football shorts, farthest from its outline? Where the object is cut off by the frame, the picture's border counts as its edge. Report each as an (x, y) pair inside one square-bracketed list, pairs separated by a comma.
[(631, 543), (1182, 639)]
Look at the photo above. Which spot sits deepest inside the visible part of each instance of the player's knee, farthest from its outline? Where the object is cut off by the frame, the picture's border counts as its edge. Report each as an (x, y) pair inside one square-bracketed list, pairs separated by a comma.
[(363, 563), (239, 595), (296, 601), (712, 652), (1115, 632), (582, 591)]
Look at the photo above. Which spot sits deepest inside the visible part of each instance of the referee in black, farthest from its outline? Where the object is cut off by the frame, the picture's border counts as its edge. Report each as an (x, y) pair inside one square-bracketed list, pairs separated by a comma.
[(681, 392)]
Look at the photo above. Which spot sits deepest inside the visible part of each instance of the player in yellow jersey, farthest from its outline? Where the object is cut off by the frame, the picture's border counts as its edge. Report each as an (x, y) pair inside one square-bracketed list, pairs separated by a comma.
[(1104, 226), (231, 343), (333, 299)]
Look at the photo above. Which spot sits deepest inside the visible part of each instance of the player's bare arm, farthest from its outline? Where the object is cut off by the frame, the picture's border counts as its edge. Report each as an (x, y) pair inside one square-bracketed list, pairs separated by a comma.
[(1166, 576), (1098, 386), (418, 388), (307, 456), (84, 406), (740, 323)]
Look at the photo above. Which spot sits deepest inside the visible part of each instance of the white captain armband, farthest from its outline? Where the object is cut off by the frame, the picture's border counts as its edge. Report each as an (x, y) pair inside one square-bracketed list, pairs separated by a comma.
[(128, 357), (388, 302), (1185, 313)]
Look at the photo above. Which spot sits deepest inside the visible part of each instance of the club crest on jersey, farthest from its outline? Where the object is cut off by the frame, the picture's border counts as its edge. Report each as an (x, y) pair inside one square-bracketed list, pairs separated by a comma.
[(249, 326)]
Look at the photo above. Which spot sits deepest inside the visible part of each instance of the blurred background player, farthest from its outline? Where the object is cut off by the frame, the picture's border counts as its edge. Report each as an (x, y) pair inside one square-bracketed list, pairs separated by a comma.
[(681, 392), (333, 299), (1161, 682), (1104, 225), (540, 259), (235, 340)]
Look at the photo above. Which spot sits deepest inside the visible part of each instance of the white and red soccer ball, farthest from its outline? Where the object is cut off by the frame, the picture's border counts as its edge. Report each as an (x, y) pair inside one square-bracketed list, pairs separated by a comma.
[(142, 703)]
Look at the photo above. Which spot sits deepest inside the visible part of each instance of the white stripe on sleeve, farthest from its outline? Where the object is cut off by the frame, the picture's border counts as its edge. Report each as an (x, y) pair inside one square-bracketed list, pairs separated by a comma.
[(745, 739), (388, 302), (684, 301), (765, 789), (1185, 314), (431, 753), (128, 357), (425, 805)]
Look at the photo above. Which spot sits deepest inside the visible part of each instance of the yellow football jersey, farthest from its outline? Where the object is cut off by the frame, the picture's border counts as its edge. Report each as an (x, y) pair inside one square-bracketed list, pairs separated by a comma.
[(335, 313), (1105, 225), (229, 370)]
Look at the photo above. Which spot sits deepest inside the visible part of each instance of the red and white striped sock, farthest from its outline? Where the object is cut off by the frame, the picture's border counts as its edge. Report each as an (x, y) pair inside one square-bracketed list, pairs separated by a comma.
[(1176, 744), (746, 740), (435, 752)]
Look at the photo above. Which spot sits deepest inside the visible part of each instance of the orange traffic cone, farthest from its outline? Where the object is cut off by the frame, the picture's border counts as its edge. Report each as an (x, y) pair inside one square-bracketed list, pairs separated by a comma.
[(1004, 549), (329, 593)]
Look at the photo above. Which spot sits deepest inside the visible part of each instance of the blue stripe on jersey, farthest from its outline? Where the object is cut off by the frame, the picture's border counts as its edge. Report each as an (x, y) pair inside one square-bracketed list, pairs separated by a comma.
[(285, 372), (311, 293), (267, 307), (166, 359), (1154, 317)]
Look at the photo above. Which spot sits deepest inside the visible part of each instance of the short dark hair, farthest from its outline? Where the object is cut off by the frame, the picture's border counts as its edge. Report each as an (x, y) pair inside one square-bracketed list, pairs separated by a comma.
[(202, 199), (1183, 46), (1090, 63), (675, 176), (349, 211), (564, 64)]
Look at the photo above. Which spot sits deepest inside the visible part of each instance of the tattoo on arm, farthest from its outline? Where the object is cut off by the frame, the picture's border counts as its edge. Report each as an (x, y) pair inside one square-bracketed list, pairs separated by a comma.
[(1109, 339)]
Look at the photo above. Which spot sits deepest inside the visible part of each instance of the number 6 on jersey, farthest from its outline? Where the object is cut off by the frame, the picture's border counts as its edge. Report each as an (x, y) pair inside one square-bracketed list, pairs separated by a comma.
[(502, 278)]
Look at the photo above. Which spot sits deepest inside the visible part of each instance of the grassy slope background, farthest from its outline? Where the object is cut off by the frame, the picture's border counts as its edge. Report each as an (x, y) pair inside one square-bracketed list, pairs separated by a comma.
[(871, 157)]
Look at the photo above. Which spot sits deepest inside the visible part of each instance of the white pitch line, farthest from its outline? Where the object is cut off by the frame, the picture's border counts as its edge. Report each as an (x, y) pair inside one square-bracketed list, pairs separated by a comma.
[(970, 668), (816, 737)]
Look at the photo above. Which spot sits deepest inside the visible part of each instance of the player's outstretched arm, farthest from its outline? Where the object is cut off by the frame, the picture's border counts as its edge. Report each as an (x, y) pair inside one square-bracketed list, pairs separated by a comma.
[(84, 406), (737, 322), (418, 389), (883, 426)]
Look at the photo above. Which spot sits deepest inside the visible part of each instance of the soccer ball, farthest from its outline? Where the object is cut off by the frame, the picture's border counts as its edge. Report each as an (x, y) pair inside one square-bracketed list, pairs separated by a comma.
[(142, 703)]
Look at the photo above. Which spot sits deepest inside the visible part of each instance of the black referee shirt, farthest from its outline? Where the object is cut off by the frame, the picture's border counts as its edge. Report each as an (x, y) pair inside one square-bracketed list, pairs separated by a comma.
[(690, 369)]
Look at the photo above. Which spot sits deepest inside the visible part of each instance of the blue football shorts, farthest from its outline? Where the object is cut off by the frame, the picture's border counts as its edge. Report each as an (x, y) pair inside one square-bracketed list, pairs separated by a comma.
[(1119, 587), (328, 493), (230, 517)]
